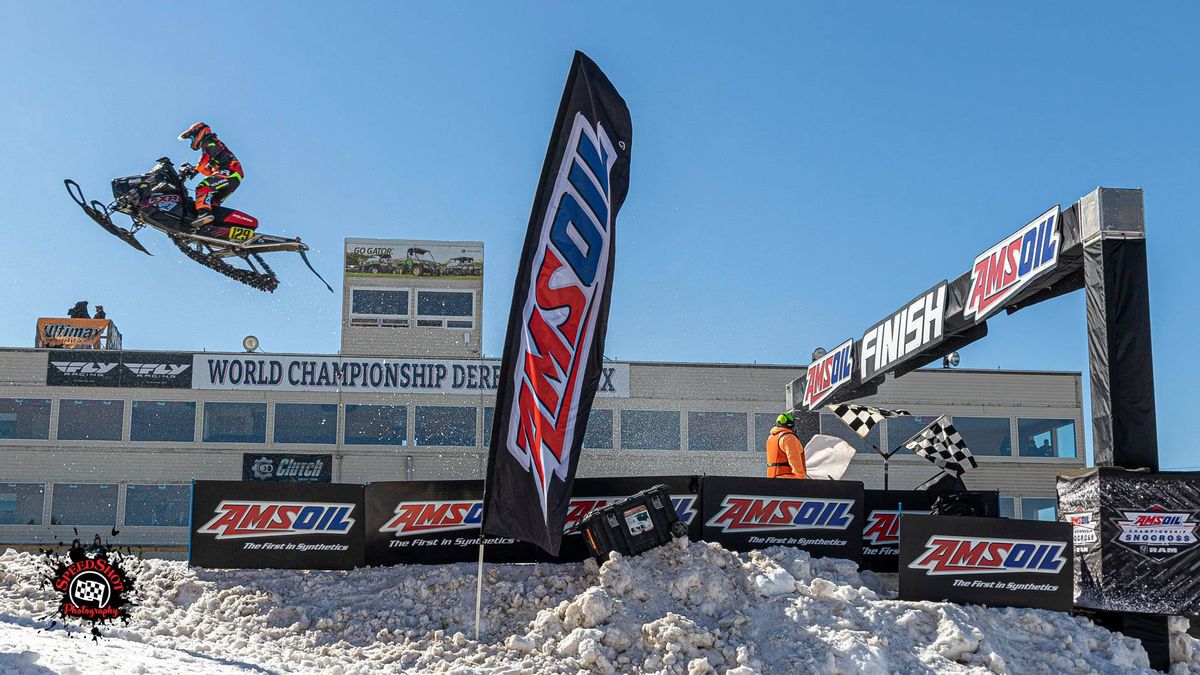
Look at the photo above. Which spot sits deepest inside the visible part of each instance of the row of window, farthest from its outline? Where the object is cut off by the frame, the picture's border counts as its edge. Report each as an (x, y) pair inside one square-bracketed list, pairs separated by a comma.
[(148, 505), (370, 424), (433, 309), (986, 436)]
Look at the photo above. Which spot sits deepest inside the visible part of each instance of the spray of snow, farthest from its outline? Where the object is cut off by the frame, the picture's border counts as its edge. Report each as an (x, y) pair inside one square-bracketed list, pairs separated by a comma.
[(684, 608)]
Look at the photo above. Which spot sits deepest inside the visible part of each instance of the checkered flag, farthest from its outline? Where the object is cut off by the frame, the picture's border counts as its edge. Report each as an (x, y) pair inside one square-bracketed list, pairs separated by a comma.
[(91, 591), (941, 444), (860, 418)]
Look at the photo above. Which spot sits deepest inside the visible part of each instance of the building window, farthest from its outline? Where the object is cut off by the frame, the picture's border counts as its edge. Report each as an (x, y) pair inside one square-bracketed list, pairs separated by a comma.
[(900, 429), (21, 503), (90, 420), (84, 504), (1039, 508), (379, 307), (25, 418), (450, 309), (717, 431), (313, 423), (832, 426), (1008, 507), (489, 417), (763, 423), (445, 425), (599, 434), (650, 429), (985, 435), (1046, 438), (376, 424), (157, 505), (163, 421), (235, 423)]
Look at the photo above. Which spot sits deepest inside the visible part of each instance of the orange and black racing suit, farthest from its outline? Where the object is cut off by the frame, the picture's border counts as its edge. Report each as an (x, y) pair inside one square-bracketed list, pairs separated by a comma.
[(222, 171)]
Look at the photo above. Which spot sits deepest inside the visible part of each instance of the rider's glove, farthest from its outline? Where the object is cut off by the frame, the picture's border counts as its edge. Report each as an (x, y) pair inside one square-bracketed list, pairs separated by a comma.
[(187, 171)]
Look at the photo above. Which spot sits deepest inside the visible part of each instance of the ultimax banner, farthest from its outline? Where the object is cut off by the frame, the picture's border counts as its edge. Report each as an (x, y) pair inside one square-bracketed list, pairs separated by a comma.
[(348, 373)]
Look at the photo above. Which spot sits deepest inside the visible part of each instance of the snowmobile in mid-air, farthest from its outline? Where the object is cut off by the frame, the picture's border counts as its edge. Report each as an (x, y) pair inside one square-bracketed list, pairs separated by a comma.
[(159, 199)]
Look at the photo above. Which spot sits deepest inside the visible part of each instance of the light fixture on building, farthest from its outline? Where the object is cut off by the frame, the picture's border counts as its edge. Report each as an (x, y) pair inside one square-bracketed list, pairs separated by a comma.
[(250, 343), (950, 360), (818, 353)]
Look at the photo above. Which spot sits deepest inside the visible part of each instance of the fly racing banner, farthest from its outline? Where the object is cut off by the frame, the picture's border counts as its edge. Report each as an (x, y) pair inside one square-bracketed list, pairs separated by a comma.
[(432, 522), (823, 517), (83, 368), (986, 561), (267, 466), (253, 525), (1136, 537), (258, 372), (554, 348), (105, 368)]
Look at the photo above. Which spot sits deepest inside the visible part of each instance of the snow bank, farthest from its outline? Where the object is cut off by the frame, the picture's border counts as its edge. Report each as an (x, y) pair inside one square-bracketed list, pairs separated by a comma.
[(684, 608)]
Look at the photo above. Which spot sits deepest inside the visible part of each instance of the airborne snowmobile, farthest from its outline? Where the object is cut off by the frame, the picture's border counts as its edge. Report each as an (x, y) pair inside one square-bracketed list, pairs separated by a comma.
[(160, 199)]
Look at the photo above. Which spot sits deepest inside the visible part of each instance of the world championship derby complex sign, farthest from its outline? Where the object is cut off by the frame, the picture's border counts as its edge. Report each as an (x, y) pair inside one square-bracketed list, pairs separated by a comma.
[(554, 347), (348, 373)]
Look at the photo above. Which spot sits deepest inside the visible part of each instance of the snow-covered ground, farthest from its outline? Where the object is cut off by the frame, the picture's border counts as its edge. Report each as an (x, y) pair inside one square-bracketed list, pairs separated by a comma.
[(684, 608)]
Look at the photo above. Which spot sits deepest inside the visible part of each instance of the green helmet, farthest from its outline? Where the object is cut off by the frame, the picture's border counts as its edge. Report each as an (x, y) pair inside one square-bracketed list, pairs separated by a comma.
[(787, 419)]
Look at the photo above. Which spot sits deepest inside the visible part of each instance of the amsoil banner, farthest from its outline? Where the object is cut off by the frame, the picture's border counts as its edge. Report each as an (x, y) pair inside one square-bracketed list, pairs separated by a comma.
[(252, 525), (438, 521), (349, 373), (881, 532), (432, 522), (1137, 539), (823, 517), (266, 466), (554, 347), (986, 561), (104, 368)]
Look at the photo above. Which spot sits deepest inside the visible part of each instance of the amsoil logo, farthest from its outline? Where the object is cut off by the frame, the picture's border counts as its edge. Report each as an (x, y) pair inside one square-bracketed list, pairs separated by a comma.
[(948, 554), (93, 589), (882, 528), (83, 367), (828, 373), (246, 519), (1156, 532), (413, 518), (754, 513), (1003, 270), (1085, 527), (560, 310)]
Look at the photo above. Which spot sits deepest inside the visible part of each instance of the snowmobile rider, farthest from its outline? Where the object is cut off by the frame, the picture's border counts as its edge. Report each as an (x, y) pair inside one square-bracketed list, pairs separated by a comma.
[(222, 171), (785, 453)]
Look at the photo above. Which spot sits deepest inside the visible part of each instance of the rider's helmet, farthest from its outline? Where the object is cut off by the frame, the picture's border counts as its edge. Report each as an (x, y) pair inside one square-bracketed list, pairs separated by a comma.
[(786, 419), (196, 133)]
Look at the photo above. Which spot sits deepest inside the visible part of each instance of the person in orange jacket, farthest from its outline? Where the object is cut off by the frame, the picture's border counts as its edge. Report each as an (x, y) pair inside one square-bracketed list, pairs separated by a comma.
[(785, 453)]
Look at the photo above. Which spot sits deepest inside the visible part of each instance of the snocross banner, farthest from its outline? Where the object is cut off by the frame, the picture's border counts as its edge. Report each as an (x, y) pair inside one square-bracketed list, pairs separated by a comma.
[(555, 342), (255, 525), (986, 561)]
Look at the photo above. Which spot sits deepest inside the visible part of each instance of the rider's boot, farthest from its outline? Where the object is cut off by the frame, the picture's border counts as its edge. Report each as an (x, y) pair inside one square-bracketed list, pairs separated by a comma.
[(204, 214)]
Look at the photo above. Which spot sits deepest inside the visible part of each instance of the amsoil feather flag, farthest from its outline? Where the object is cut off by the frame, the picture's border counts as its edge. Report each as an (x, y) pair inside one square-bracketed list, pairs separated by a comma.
[(555, 343)]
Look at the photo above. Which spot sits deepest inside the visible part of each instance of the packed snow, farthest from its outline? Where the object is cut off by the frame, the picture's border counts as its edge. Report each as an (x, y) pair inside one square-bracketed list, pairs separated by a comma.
[(684, 608)]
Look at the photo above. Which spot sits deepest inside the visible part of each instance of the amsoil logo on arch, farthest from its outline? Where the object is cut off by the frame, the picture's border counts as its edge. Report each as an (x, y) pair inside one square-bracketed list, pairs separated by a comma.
[(1010, 266), (1157, 533)]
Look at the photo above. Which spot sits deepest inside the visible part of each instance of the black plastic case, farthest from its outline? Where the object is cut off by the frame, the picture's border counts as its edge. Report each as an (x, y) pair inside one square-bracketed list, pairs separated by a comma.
[(633, 525)]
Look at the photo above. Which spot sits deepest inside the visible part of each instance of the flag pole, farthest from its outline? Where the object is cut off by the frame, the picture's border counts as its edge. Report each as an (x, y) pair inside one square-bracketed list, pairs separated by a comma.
[(479, 584)]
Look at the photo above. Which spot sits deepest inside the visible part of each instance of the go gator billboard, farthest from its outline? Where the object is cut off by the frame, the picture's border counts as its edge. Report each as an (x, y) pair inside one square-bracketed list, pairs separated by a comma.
[(411, 258)]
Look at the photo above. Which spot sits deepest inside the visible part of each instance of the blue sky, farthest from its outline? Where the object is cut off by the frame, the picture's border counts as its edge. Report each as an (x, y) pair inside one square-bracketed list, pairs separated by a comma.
[(800, 169)]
